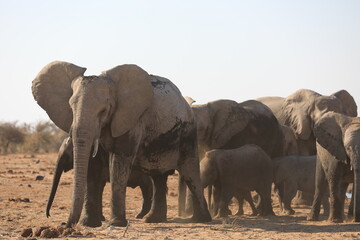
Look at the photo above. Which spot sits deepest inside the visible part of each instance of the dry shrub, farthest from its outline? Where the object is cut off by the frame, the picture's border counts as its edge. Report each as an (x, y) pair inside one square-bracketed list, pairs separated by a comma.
[(41, 137)]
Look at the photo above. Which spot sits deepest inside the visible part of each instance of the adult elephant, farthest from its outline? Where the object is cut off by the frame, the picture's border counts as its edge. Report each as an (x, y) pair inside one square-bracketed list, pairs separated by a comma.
[(303, 108), (98, 175), (142, 121), (338, 164), (226, 124)]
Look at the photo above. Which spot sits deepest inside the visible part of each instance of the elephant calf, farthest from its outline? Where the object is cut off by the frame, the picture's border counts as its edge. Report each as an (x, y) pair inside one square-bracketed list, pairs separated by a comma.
[(237, 171), (98, 175), (293, 173)]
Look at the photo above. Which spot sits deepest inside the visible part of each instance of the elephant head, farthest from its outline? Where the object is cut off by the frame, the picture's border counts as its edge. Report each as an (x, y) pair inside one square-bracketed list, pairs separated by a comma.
[(340, 136), (84, 106), (303, 108)]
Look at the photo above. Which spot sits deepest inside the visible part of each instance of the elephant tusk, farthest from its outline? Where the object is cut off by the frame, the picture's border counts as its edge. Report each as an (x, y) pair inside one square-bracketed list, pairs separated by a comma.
[(68, 140), (96, 147)]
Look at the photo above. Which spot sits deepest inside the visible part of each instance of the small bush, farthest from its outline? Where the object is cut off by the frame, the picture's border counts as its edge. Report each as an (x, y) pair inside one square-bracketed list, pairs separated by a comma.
[(41, 137)]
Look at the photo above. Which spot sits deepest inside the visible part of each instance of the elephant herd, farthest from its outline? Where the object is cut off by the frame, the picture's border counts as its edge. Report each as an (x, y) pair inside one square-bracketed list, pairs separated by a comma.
[(134, 129)]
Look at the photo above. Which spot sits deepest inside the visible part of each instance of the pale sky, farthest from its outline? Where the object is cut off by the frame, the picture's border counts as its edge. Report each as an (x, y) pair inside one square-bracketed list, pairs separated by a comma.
[(210, 49)]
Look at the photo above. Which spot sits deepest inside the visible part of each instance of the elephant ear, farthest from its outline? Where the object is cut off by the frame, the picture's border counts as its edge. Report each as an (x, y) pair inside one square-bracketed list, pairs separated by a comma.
[(52, 90), (348, 102), (228, 119), (296, 112), (134, 94), (328, 133)]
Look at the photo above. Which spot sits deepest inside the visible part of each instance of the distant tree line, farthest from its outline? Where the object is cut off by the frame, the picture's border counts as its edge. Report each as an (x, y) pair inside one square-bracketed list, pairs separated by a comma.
[(41, 137)]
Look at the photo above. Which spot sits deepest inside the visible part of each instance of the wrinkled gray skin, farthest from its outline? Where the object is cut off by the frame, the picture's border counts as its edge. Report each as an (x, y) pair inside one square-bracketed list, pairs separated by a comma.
[(226, 124), (141, 120), (338, 164), (237, 171), (293, 173), (98, 175), (301, 110)]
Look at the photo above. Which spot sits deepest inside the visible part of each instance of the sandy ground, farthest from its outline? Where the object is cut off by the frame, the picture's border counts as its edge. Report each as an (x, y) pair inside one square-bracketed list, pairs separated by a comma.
[(18, 183)]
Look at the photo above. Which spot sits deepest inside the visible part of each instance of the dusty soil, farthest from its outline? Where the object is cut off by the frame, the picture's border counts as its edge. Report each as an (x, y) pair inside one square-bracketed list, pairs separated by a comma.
[(23, 200)]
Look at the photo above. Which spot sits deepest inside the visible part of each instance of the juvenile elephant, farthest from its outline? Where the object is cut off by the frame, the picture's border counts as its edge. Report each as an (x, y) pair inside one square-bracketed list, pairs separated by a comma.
[(293, 173), (338, 164), (98, 175), (234, 171), (141, 120), (226, 124)]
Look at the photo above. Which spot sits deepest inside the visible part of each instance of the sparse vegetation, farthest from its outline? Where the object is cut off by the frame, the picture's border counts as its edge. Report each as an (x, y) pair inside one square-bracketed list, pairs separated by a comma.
[(41, 137)]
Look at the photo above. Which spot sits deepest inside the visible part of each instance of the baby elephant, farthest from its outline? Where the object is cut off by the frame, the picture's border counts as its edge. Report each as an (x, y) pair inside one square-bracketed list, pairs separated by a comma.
[(293, 173), (236, 171)]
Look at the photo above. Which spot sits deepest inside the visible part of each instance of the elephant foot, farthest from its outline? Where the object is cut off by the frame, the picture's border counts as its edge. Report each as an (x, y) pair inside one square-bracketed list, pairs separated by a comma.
[(335, 220), (119, 222), (289, 212), (228, 212), (140, 215), (155, 218), (201, 218), (90, 221), (267, 213), (222, 214), (312, 217), (240, 213)]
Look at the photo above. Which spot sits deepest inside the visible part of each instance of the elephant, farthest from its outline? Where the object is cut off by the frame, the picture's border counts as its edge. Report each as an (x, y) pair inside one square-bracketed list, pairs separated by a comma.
[(301, 110), (293, 173), (226, 124), (338, 159), (98, 175), (142, 121), (237, 171)]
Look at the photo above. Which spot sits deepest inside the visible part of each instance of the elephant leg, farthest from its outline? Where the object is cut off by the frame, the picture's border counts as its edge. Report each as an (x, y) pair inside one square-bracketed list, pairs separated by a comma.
[(93, 198), (125, 149), (119, 174), (279, 190), (158, 210), (189, 168), (343, 188), (335, 190), (249, 199), (146, 186), (226, 195), (240, 198), (326, 206), (216, 189), (201, 213), (265, 202), (182, 196), (290, 190), (320, 186), (189, 204), (351, 206)]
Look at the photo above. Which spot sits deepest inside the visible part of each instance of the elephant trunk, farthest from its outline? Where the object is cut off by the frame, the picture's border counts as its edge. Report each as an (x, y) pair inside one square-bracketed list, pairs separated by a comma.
[(82, 142), (58, 171)]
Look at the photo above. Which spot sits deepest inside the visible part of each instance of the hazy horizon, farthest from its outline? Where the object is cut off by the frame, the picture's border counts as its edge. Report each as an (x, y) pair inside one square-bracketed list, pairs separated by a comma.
[(211, 50)]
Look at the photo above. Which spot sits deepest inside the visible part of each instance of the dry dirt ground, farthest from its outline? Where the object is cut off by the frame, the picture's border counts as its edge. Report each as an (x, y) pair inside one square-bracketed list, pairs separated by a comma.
[(18, 183)]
